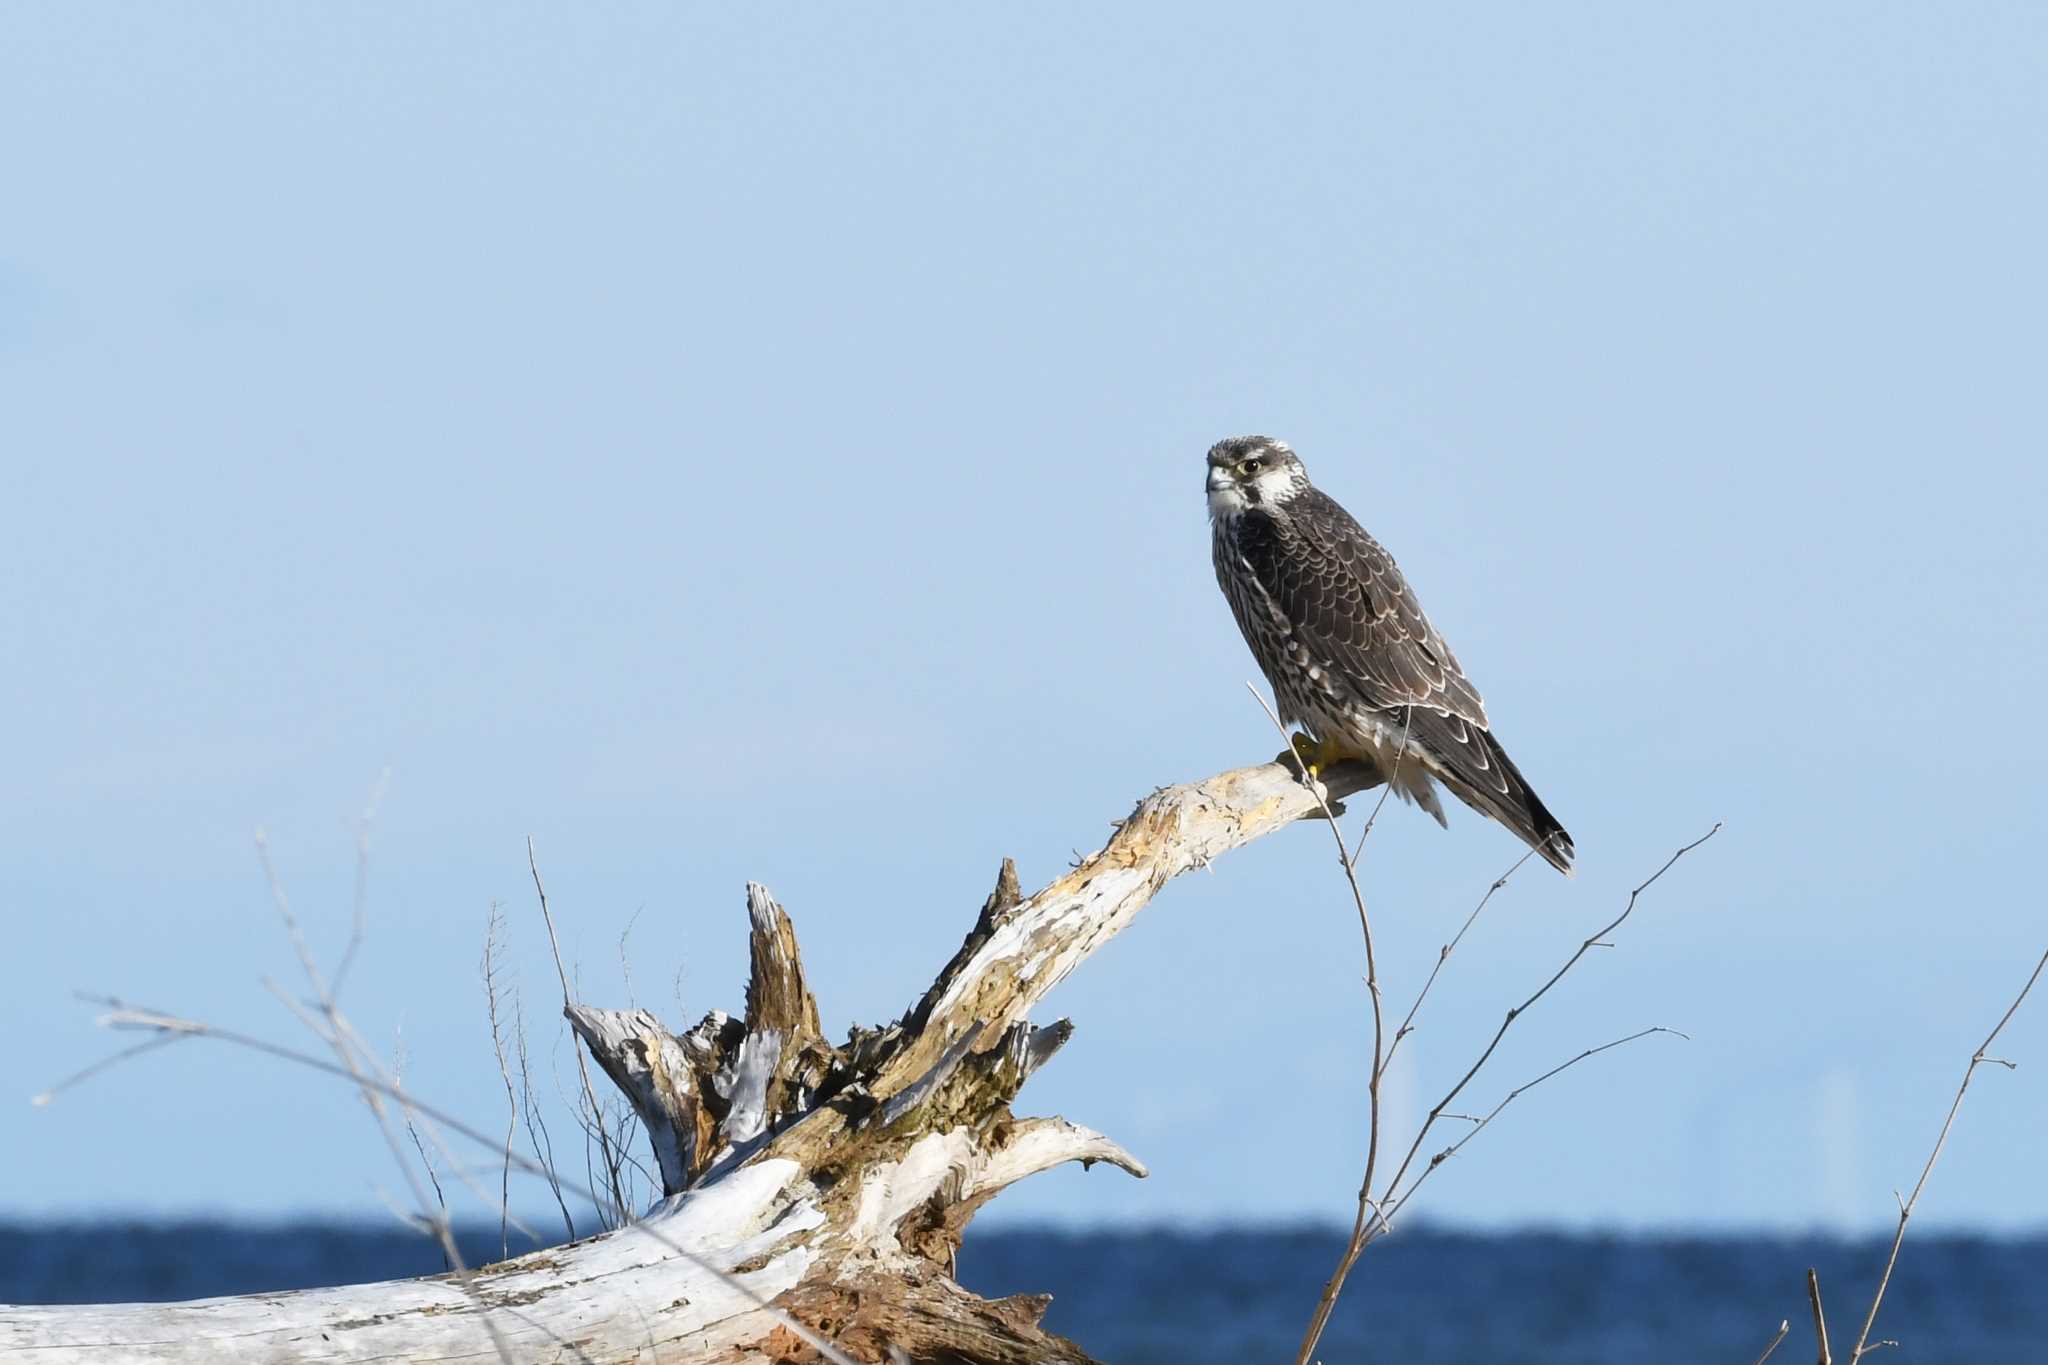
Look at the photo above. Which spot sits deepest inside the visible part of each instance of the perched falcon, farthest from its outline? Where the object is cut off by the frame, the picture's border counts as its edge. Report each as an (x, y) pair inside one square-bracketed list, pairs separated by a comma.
[(1344, 643)]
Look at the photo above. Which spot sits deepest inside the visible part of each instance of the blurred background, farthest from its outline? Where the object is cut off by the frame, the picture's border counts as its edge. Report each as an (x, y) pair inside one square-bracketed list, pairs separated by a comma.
[(728, 443)]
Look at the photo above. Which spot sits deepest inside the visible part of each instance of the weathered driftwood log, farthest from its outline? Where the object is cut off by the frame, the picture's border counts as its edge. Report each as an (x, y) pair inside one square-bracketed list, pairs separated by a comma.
[(832, 1182)]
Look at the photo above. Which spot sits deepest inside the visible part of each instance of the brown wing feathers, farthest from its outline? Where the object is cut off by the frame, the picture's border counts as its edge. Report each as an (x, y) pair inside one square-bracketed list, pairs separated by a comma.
[(1349, 605)]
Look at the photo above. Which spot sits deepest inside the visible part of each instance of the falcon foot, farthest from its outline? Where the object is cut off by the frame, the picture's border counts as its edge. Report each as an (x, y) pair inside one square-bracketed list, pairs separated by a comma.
[(1311, 759), (1314, 755)]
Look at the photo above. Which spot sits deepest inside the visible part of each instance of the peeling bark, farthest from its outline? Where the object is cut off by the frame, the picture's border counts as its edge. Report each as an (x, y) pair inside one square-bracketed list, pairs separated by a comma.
[(833, 1182)]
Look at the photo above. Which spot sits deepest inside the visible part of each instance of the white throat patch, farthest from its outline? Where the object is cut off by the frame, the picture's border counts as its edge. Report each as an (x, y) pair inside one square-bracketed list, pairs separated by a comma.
[(1226, 500)]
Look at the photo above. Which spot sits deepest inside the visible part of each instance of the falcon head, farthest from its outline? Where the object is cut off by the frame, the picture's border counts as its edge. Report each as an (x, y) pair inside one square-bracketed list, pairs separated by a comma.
[(1252, 471)]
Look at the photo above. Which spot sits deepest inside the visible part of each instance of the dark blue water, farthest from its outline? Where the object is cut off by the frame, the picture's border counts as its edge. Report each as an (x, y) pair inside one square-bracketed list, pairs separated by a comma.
[(1137, 1297)]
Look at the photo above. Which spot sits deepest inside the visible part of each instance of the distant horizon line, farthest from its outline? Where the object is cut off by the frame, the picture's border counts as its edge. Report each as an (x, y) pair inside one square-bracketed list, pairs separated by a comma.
[(1433, 1228)]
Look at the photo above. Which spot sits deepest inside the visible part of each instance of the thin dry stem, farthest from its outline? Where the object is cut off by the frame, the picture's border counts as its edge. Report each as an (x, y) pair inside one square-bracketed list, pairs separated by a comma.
[(1373, 1215), (1784, 1328), (439, 1225), (618, 1213), (1820, 1317), (1598, 939), (461, 1169), (625, 960), (122, 1015), (494, 926), (337, 1036), (1394, 1205), (86, 1073), (1444, 954), (1977, 1059), (378, 1086), (1368, 1211), (537, 1136), (359, 925)]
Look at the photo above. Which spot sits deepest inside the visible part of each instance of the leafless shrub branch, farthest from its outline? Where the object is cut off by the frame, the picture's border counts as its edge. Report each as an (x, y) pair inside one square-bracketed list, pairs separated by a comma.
[(1444, 953), (1368, 1210), (1981, 1057), (1375, 1212), (370, 1082), (1397, 1201), (1598, 939)]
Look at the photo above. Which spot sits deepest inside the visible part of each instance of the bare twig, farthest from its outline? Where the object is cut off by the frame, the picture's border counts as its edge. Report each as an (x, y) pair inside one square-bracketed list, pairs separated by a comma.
[(493, 927), (123, 1015), (1368, 1211), (359, 926), (537, 1135), (608, 1163), (1375, 1215), (462, 1170), (1443, 954), (374, 1082), (337, 1036), (1598, 939), (283, 905), (438, 1225), (625, 960), (84, 1074), (1784, 1327), (618, 1213), (623, 1174), (1393, 1203), (1977, 1059), (1820, 1317)]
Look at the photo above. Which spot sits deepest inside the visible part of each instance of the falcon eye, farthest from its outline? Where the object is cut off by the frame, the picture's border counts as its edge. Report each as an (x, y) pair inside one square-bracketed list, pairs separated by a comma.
[(1251, 466)]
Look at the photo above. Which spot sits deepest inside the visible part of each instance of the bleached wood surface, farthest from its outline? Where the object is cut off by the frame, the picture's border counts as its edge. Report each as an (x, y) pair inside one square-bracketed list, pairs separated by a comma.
[(834, 1182)]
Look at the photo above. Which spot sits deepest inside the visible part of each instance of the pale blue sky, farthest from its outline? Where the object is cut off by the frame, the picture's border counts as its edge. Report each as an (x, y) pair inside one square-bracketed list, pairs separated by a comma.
[(728, 442)]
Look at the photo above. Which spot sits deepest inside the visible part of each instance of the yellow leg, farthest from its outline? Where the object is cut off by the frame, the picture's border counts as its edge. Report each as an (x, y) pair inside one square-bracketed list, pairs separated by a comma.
[(1315, 755)]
